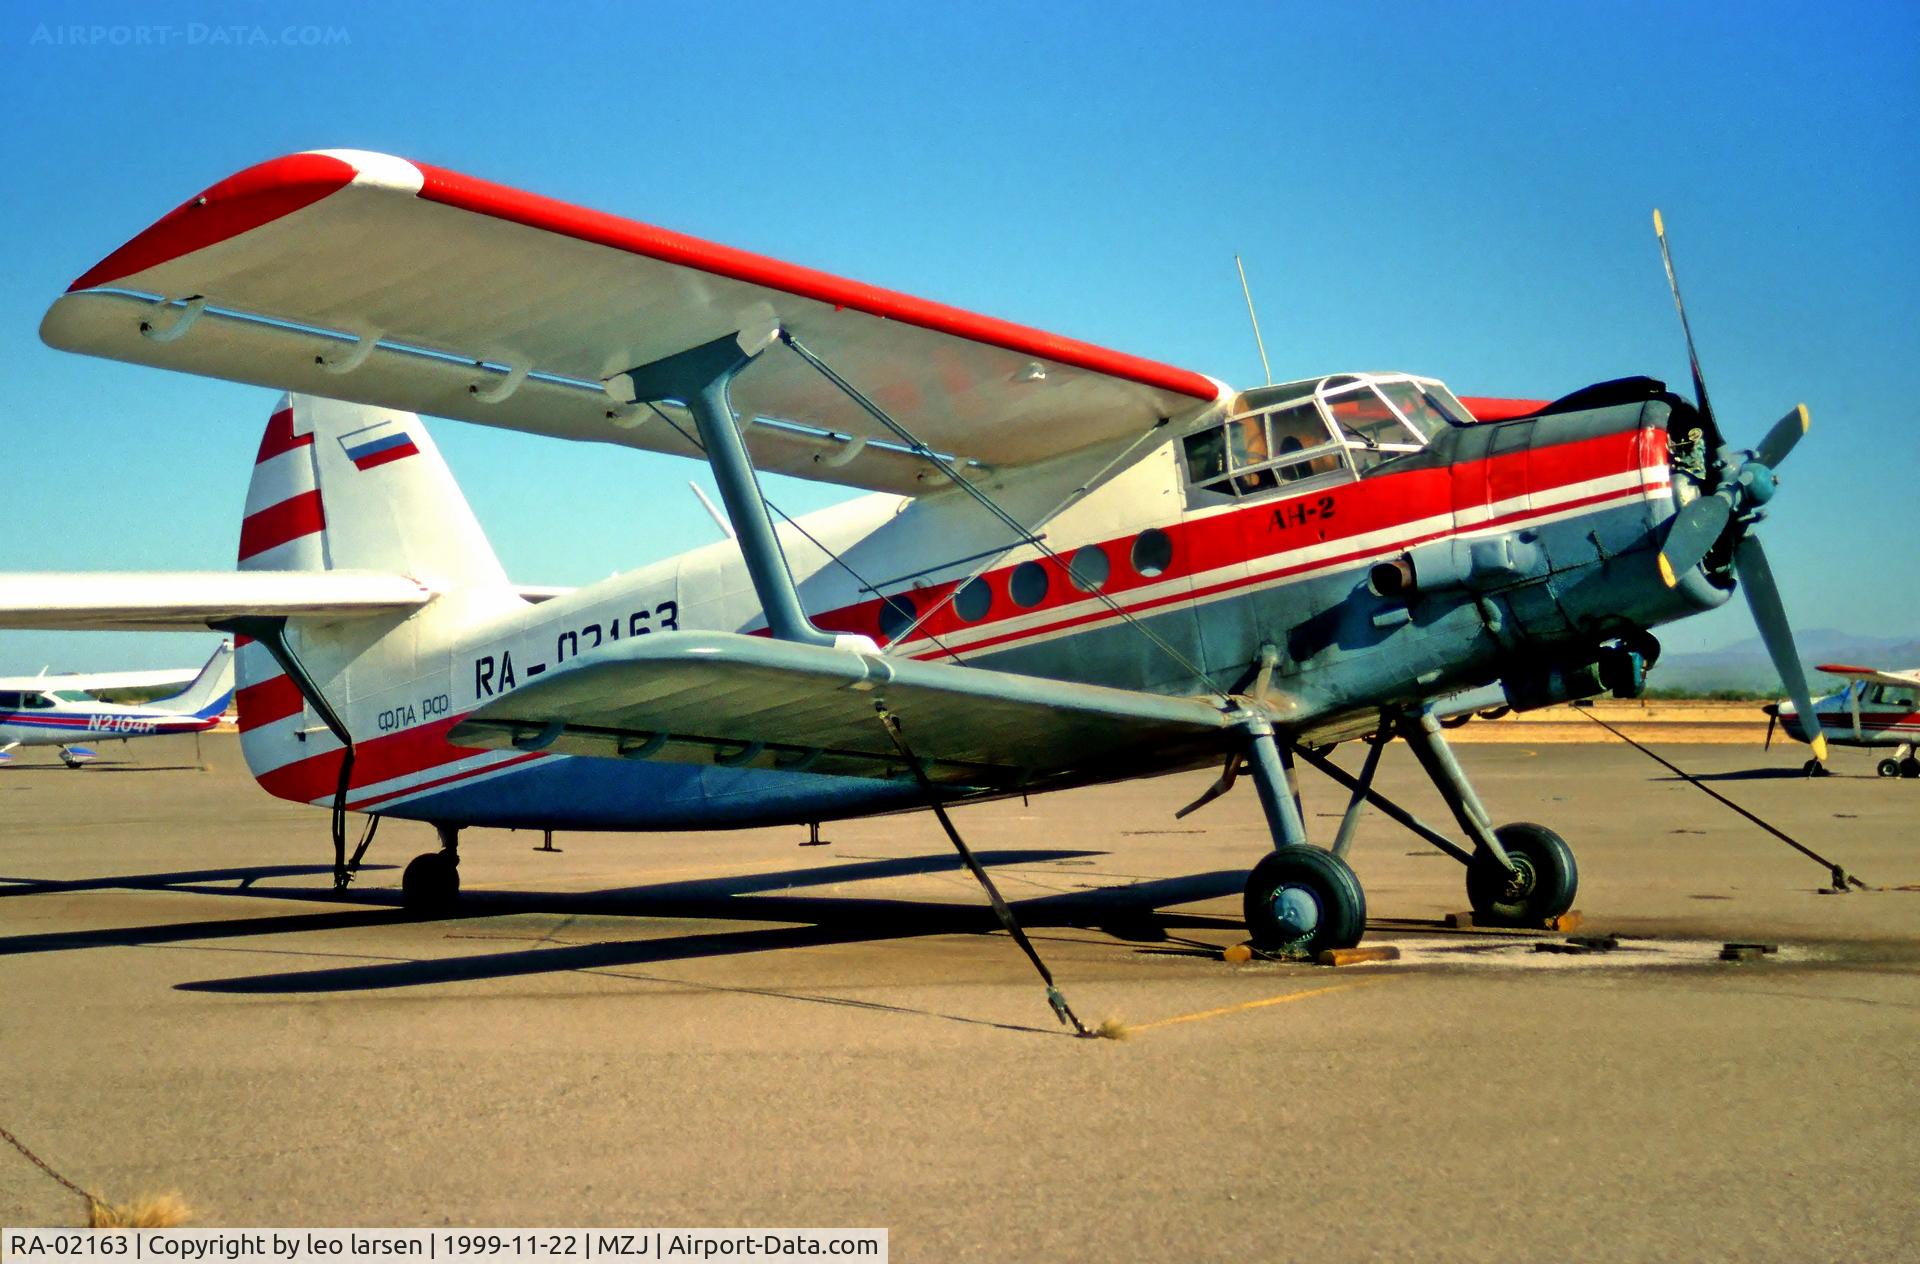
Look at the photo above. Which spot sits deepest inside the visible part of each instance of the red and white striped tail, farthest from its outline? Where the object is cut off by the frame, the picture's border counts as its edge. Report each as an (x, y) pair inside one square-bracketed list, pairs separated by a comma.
[(286, 520), (341, 486)]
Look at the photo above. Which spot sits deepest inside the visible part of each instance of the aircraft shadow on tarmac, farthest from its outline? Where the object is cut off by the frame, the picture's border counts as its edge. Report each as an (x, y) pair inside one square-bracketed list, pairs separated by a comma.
[(98, 766), (1131, 911), (1748, 774)]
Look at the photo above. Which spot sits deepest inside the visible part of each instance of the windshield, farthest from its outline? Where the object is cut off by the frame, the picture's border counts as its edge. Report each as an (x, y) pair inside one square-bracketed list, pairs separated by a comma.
[(1428, 407)]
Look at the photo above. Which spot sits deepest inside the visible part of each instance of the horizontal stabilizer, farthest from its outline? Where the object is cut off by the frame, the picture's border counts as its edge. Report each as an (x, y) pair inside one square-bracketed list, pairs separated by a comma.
[(723, 698), (141, 601)]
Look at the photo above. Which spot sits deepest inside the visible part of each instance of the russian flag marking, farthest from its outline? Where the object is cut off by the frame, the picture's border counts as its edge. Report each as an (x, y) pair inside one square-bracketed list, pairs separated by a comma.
[(378, 444)]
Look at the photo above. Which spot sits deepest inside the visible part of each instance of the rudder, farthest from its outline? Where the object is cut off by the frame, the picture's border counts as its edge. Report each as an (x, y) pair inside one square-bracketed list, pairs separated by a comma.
[(340, 486)]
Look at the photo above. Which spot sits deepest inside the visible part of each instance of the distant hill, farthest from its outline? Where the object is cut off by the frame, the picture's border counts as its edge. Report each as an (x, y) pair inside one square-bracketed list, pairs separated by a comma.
[(1744, 664)]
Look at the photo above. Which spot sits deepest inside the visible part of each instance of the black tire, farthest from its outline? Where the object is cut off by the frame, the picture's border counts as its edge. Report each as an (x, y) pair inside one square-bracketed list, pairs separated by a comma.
[(431, 881), (1814, 768), (1888, 768), (1547, 881), (1910, 767), (1300, 900)]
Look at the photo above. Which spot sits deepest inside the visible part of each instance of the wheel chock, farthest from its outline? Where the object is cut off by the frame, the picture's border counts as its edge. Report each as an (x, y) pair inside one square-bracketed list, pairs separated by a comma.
[(1237, 954), (1570, 920), (1356, 956), (1746, 952)]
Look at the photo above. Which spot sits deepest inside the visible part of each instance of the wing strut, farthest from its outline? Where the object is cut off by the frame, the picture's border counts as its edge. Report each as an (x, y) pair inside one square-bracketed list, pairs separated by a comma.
[(1055, 997), (1020, 532), (272, 633), (701, 378)]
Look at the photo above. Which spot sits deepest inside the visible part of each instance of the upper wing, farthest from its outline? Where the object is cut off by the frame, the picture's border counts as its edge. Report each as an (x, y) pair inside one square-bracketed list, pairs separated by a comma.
[(169, 601), (719, 697), (368, 278), (1909, 677)]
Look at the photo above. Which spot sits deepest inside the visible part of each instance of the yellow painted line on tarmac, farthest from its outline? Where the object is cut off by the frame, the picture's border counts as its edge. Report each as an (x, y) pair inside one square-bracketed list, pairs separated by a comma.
[(1243, 1006)]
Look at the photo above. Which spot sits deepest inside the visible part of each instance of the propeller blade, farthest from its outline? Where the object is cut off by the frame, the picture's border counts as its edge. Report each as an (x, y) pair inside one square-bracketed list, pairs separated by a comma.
[(1695, 530), (1773, 718), (1781, 439), (1712, 428), (1763, 598)]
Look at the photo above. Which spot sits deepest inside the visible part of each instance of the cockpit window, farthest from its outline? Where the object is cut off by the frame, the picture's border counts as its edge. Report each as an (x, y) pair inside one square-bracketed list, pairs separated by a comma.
[(1892, 696), (1347, 424), (1254, 452)]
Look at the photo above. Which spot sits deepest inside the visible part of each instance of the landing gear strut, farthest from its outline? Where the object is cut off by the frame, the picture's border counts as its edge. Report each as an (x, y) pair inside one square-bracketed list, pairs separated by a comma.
[(431, 882), (1300, 899)]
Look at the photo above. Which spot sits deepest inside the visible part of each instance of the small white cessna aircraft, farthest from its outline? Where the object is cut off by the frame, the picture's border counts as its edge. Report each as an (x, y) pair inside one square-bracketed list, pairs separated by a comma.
[(1877, 708), (62, 710), (1080, 565)]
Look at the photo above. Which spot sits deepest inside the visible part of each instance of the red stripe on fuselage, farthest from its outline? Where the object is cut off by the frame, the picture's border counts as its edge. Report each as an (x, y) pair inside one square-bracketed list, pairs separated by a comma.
[(1488, 408), (1245, 535), (274, 698), (273, 526), (376, 759)]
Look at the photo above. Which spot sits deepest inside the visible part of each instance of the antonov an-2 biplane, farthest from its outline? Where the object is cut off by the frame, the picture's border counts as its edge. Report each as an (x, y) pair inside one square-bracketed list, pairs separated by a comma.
[(1079, 565)]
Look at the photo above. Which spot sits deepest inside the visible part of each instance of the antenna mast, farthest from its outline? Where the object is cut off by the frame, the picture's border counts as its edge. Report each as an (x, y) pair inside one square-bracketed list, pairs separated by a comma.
[(1258, 341)]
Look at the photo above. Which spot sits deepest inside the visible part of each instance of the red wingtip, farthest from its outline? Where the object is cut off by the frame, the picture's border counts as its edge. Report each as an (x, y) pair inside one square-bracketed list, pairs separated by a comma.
[(1843, 669), (246, 200)]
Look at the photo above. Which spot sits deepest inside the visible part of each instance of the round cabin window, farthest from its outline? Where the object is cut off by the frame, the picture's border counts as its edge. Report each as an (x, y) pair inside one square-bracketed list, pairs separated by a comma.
[(1152, 552), (1089, 569), (1028, 584), (973, 601), (896, 616)]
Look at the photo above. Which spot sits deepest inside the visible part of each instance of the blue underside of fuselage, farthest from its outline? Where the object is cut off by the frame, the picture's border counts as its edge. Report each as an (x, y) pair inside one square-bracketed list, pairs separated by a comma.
[(584, 792)]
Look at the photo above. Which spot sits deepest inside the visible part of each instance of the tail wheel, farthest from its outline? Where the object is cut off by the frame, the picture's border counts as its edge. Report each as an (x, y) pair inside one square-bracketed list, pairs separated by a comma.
[(431, 881), (1301, 900), (1542, 884)]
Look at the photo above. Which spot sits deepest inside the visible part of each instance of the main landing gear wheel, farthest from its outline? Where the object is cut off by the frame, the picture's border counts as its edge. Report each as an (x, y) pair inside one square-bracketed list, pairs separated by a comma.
[(1814, 768), (431, 881), (1301, 900), (1542, 886), (1888, 768), (1910, 767)]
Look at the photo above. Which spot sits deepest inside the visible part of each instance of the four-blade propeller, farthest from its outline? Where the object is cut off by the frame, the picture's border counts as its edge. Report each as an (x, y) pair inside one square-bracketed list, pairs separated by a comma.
[(1738, 483)]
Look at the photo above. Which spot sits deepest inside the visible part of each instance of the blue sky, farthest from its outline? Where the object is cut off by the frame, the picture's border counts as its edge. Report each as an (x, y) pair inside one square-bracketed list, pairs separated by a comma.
[(1461, 190)]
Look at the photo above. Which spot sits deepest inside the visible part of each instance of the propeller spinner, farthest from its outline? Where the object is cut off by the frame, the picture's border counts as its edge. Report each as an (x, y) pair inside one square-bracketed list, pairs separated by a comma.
[(1739, 483)]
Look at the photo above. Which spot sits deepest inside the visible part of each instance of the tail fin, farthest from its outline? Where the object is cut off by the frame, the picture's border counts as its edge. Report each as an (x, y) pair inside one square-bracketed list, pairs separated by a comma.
[(210, 691), (341, 486)]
